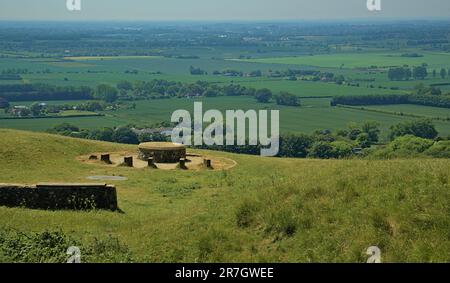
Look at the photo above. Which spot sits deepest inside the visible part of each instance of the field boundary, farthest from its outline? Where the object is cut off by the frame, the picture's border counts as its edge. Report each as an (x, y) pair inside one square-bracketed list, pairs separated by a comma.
[(52, 117), (361, 108)]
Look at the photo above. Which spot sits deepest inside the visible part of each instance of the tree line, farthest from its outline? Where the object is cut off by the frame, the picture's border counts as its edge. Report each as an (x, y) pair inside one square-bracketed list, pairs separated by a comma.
[(361, 100), (418, 73), (33, 92), (355, 140)]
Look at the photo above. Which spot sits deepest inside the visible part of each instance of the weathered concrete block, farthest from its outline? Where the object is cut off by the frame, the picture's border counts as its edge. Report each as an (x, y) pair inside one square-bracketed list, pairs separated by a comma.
[(128, 161), (151, 163), (106, 158), (207, 163), (182, 164), (59, 196)]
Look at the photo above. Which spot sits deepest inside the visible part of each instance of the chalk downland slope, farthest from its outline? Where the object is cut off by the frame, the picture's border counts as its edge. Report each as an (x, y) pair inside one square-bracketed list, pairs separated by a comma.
[(262, 210)]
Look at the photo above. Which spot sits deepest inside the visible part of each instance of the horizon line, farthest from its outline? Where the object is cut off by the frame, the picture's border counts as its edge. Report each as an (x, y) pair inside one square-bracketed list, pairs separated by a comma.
[(360, 19)]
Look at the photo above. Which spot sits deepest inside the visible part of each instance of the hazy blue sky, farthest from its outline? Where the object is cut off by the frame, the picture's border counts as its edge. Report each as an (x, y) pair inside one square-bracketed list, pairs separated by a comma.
[(156, 10)]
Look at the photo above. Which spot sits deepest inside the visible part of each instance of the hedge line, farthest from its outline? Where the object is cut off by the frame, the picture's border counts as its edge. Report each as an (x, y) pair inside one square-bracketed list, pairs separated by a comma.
[(361, 100)]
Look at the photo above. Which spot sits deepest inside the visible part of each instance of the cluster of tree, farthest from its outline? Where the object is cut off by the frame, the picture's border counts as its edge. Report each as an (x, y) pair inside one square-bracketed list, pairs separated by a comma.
[(132, 72), (358, 100), (421, 89), (123, 134), (39, 109), (255, 74), (422, 128), (410, 146), (186, 57), (313, 75), (155, 89), (106, 93), (10, 77), (33, 92), (407, 137), (405, 73), (412, 55), (286, 98), (443, 73), (229, 73), (3, 103), (265, 95), (361, 100), (197, 71), (320, 144), (15, 71), (290, 74)]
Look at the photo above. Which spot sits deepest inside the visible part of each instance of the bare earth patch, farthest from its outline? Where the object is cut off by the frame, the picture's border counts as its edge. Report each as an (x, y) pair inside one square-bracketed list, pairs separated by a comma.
[(194, 161)]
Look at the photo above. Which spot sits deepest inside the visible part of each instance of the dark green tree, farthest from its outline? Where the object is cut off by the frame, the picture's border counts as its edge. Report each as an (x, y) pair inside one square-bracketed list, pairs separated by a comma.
[(422, 128), (286, 98), (35, 109), (3, 103), (125, 135), (263, 95), (125, 85), (443, 73), (420, 73), (106, 93)]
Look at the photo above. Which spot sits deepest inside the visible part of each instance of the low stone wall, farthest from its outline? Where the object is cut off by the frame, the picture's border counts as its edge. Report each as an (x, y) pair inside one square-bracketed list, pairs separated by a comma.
[(59, 196)]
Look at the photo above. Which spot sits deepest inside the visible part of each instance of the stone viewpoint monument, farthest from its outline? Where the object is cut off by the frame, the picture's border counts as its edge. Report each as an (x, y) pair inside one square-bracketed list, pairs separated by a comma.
[(162, 152)]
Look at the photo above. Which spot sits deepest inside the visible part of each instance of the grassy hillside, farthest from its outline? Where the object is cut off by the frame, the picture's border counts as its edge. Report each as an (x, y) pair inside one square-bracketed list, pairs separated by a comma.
[(265, 209)]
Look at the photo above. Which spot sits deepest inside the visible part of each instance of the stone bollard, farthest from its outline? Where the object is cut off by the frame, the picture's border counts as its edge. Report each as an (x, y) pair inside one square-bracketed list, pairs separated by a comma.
[(182, 164), (106, 158), (151, 163), (207, 163), (128, 161)]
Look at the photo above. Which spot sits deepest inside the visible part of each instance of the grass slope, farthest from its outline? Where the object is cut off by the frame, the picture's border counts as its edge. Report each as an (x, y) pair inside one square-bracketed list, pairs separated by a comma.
[(265, 209)]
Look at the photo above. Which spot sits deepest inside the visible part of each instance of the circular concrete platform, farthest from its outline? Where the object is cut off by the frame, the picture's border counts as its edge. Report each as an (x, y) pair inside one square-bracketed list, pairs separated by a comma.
[(162, 152)]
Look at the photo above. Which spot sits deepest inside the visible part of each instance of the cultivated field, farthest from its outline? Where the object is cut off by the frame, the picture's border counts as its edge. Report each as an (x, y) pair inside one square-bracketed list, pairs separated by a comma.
[(361, 60), (314, 114)]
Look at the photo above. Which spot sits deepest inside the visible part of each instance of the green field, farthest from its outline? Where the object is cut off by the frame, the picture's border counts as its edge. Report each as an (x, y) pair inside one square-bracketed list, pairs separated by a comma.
[(426, 111), (359, 60), (313, 115), (317, 89), (287, 210), (101, 58)]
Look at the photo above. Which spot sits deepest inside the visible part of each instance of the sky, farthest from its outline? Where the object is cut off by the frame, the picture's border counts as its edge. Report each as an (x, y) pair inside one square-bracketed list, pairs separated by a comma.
[(220, 10)]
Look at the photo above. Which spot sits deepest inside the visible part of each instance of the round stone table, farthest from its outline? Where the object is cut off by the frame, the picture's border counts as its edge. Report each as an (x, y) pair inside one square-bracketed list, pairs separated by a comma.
[(162, 152)]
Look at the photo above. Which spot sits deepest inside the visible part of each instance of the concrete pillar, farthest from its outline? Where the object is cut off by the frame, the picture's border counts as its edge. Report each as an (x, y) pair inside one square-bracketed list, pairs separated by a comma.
[(128, 161), (106, 158), (182, 164), (151, 163), (207, 163)]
